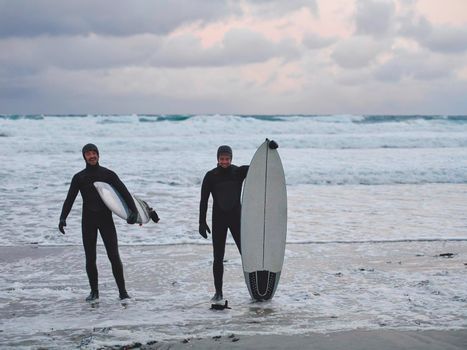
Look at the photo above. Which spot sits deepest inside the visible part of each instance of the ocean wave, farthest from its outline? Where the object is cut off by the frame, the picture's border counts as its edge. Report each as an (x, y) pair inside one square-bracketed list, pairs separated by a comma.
[(115, 119), (22, 117), (165, 161), (185, 117), (382, 182), (296, 123), (162, 118), (357, 119), (410, 118), (269, 118), (378, 177)]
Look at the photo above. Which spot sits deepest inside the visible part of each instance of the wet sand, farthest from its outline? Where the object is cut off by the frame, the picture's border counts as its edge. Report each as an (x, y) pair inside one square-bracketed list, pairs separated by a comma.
[(352, 340), (402, 295)]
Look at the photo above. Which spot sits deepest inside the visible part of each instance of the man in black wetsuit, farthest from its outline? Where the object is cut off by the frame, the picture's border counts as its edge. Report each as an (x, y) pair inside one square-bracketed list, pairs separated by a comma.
[(225, 184), (96, 216)]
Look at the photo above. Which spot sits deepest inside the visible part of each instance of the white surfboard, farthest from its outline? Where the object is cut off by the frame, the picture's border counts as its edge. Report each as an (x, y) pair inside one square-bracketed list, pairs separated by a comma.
[(114, 201), (264, 223)]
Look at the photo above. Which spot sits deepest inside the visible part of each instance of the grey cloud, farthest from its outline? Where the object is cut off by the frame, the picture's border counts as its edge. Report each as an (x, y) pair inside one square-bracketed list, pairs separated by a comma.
[(357, 52), (251, 46), (313, 41), (26, 56), (374, 17), (442, 38), (414, 66), (105, 17), (446, 39), (16, 92), (409, 2), (355, 77), (277, 8), (240, 46), (413, 26), (91, 52)]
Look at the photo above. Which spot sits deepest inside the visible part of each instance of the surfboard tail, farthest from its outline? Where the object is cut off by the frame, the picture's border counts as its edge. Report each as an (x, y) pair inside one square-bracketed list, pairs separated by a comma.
[(262, 284), (143, 210)]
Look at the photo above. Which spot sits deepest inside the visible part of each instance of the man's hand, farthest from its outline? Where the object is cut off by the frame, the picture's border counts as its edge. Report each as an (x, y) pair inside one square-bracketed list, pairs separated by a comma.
[(132, 218), (273, 144), (203, 227), (153, 215), (61, 226)]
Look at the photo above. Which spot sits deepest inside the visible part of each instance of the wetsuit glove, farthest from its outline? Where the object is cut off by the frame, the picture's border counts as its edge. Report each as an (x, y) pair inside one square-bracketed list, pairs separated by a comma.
[(273, 144), (132, 218), (153, 215), (61, 226), (203, 227)]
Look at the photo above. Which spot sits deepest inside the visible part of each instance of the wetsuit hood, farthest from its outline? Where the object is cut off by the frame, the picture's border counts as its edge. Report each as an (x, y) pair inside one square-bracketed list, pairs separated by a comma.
[(224, 149), (89, 147)]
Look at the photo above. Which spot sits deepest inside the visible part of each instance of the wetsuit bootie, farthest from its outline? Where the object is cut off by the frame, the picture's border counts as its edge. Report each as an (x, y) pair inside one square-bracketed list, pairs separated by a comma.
[(124, 295), (217, 297), (220, 306), (153, 215), (93, 296)]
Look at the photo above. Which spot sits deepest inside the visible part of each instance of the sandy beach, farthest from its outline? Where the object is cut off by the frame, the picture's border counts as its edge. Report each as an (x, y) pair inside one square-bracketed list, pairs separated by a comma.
[(396, 295)]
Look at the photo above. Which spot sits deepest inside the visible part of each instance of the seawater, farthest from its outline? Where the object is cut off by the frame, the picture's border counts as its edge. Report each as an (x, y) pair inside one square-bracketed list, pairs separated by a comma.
[(349, 178), (376, 227)]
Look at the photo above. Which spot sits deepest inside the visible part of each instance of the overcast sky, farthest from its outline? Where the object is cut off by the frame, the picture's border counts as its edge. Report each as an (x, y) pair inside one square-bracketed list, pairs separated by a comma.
[(233, 57)]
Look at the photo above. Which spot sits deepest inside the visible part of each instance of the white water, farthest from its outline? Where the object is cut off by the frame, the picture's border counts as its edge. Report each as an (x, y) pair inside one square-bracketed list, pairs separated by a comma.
[(349, 178)]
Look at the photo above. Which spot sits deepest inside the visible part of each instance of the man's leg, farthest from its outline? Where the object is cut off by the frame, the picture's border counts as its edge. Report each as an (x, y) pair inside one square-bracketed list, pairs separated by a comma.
[(234, 226), (109, 237), (219, 235), (89, 233)]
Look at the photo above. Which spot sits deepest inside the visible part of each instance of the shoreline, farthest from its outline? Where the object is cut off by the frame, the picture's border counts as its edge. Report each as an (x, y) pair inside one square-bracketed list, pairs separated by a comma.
[(208, 243)]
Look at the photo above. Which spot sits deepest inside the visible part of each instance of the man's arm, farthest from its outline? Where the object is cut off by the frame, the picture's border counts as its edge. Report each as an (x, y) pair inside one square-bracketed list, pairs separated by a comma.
[(243, 171), (203, 203), (68, 204), (203, 207), (70, 198)]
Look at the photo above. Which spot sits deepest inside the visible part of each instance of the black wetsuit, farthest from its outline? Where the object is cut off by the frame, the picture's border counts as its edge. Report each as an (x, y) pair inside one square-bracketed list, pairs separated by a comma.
[(225, 185), (96, 216)]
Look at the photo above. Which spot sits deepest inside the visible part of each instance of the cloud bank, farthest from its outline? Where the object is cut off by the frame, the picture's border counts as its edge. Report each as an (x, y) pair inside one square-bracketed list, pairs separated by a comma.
[(216, 56)]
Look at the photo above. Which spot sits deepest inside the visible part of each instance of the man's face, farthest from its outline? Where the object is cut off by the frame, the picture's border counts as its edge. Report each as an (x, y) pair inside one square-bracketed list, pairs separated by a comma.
[(91, 157), (224, 160)]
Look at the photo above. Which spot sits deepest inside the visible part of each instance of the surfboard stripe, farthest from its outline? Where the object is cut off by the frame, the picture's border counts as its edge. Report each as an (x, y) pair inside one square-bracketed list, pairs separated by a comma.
[(265, 201)]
